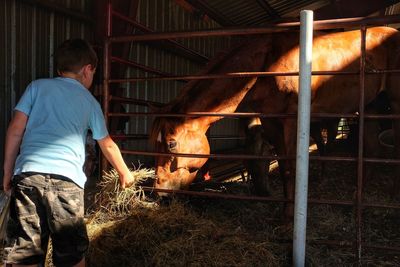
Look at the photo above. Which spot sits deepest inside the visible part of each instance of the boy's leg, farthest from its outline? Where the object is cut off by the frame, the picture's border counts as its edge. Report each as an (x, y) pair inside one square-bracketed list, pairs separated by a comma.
[(27, 230), (66, 222)]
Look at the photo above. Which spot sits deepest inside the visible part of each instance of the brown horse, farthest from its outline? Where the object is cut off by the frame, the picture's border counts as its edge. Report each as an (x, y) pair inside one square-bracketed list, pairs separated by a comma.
[(269, 95)]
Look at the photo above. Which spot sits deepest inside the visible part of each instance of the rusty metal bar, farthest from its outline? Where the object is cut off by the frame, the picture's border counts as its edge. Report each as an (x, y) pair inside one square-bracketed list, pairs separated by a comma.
[(138, 102), (259, 198), (140, 66), (360, 162), (381, 205), (270, 28), (243, 75), (219, 156), (248, 114), (145, 136), (214, 194), (345, 243), (228, 75), (129, 136), (378, 160), (106, 76), (232, 115), (246, 156)]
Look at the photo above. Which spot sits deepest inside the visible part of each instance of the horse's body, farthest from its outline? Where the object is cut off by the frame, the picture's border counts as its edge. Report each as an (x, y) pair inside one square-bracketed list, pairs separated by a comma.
[(269, 95)]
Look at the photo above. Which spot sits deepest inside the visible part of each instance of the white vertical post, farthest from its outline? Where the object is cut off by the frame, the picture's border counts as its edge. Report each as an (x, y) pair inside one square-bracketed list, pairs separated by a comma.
[(303, 136)]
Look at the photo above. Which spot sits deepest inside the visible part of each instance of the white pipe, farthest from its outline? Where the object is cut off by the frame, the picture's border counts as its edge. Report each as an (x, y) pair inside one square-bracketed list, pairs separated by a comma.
[(303, 138)]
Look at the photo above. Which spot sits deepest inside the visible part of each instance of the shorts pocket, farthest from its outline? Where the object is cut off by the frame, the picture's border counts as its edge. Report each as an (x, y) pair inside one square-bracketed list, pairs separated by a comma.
[(67, 204)]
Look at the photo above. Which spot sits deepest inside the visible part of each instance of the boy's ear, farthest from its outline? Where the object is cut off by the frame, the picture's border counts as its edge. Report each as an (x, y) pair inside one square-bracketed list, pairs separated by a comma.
[(86, 69)]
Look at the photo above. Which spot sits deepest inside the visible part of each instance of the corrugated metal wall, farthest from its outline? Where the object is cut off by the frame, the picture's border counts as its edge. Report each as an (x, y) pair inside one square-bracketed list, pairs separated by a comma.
[(29, 33), (167, 16)]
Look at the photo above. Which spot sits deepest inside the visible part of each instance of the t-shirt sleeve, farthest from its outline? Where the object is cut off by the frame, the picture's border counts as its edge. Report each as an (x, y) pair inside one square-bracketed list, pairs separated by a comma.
[(97, 123), (26, 101)]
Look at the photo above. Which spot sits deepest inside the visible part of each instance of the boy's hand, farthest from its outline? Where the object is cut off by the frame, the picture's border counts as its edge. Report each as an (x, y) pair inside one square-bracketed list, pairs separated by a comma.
[(126, 179)]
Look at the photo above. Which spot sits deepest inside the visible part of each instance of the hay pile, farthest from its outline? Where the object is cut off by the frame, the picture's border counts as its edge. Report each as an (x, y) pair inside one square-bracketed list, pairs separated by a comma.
[(171, 235)]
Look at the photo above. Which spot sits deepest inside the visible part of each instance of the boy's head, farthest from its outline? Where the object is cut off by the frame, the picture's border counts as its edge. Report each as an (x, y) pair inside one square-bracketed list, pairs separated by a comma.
[(72, 55)]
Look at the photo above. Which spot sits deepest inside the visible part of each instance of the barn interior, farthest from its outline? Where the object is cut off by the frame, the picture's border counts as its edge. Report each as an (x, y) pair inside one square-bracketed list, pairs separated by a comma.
[(149, 50)]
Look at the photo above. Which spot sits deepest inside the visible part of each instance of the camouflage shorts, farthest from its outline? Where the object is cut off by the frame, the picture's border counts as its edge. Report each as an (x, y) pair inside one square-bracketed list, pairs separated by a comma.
[(45, 206)]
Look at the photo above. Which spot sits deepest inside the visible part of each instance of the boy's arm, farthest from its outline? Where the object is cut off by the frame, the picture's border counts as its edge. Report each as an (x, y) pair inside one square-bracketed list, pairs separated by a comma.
[(113, 155), (15, 132)]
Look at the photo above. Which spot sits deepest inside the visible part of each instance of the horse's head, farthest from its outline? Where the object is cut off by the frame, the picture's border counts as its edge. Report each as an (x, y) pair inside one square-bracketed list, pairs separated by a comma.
[(178, 136)]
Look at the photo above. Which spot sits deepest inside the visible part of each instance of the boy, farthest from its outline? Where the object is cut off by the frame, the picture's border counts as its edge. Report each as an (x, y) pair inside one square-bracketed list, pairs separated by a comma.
[(46, 178)]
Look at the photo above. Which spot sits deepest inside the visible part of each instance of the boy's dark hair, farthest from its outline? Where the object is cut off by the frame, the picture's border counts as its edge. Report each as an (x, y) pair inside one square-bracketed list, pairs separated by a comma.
[(73, 54)]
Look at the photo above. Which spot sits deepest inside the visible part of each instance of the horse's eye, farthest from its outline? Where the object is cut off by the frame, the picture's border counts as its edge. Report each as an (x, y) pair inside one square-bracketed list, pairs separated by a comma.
[(172, 145)]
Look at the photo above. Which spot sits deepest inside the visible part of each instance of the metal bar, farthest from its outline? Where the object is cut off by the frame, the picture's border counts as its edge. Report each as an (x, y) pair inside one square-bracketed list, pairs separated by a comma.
[(213, 194), (270, 28), (261, 115), (202, 114), (51, 45), (246, 156), (13, 57), (345, 243), (231, 75), (145, 136), (377, 160), (219, 156), (258, 198), (303, 138), (381, 205), (106, 77), (243, 75), (139, 66), (139, 102), (232, 115), (360, 163), (129, 136)]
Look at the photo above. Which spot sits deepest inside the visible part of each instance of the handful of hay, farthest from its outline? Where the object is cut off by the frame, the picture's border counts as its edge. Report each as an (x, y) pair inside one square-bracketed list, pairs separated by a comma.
[(117, 201)]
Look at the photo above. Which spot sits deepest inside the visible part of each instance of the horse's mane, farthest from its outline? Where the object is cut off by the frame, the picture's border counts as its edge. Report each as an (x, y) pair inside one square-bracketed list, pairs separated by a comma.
[(193, 88), (191, 92), (178, 104)]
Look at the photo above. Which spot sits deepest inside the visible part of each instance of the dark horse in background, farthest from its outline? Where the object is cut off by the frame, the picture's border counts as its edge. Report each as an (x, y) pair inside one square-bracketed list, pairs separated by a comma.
[(276, 53)]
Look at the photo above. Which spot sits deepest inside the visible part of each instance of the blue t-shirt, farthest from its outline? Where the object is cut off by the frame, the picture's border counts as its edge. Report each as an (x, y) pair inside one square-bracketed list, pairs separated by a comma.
[(60, 111)]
